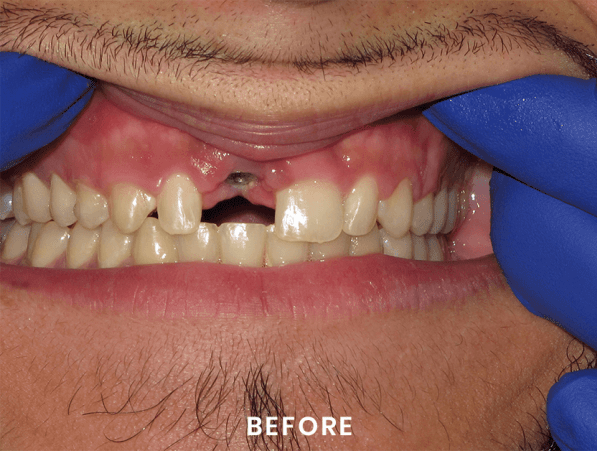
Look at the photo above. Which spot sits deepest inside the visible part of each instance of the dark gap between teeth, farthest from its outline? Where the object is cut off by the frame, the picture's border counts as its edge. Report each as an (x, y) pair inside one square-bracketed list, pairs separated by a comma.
[(238, 209)]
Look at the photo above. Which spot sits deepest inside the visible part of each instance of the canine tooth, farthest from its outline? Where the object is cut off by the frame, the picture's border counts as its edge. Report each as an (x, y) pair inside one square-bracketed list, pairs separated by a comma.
[(5, 201), (340, 247), (440, 212), (179, 205), (51, 243), (396, 212), (36, 197), (309, 211), (62, 202), (397, 247), (18, 204), (153, 244), (130, 206), (419, 247), (35, 229), (435, 253), (82, 246), (360, 207), (280, 252), (366, 244), (91, 208), (16, 241), (422, 215), (242, 244), (199, 246), (114, 246)]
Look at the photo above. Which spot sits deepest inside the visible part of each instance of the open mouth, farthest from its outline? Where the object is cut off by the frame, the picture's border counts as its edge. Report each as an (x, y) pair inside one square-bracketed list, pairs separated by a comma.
[(144, 217)]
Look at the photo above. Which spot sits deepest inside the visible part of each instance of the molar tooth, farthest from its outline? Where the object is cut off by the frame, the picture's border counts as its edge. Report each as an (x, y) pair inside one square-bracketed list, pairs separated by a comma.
[(452, 210), (366, 244), (91, 208), (114, 247), (340, 247), (242, 244), (82, 246), (16, 241), (62, 202), (51, 243), (200, 246), (435, 253), (280, 252), (309, 211), (419, 247), (396, 212), (397, 247), (18, 204), (179, 205), (440, 212), (35, 229), (360, 207), (153, 244), (36, 197), (422, 215), (130, 206), (5, 201)]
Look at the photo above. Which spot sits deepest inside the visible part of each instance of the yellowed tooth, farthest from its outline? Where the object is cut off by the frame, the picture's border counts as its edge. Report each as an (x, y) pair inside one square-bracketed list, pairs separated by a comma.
[(91, 208), (419, 247), (130, 206), (36, 197), (440, 212), (395, 213), (200, 246), (16, 242), (154, 245), (114, 247), (50, 245), (435, 252), (453, 204), (35, 229), (18, 204), (82, 246), (422, 215), (6, 210), (62, 202), (360, 207), (340, 247), (366, 244), (281, 252), (242, 244), (309, 211), (397, 247), (179, 205)]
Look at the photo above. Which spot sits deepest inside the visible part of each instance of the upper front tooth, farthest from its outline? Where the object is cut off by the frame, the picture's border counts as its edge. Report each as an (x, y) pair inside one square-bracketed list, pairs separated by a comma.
[(395, 213), (36, 197), (62, 202), (130, 206), (422, 215), (18, 204), (91, 208), (200, 246), (153, 244), (50, 244), (5, 201), (360, 207), (242, 244), (440, 212), (309, 211), (179, 205)]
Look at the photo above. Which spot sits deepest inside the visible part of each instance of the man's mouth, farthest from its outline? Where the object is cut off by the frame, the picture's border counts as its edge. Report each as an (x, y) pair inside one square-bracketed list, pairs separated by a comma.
[(381, 217)]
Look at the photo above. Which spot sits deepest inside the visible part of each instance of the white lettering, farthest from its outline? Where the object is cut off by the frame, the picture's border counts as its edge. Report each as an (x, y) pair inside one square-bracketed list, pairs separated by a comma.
[(302, 429), (344, 423), (287, 424), (270, 422), (254, 426), (327, 424)]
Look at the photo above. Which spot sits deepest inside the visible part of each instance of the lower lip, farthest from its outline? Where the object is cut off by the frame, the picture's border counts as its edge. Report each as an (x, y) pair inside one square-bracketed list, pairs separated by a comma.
[(335, 288)]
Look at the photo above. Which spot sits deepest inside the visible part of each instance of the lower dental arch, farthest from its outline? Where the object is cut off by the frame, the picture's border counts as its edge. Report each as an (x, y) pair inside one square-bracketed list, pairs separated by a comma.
[(81, 228)]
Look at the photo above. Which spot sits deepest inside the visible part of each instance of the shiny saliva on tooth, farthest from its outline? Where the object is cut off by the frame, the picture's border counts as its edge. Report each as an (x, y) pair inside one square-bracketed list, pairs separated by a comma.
[(78, 227)]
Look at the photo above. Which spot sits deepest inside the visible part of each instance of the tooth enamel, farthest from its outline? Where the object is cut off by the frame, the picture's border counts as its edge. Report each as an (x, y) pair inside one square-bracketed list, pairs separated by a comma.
[(242, 244), (130, 206), (114, 247), (419, 247), (179, 205), (35, 229), (280, 252), (440, 212), (50, 245), (82, 246), (153, 244), (395, 213), (397, 247), (18, 204), (309, 211), (360, 207), (36, 197), (91, 208), (366, 244), (5, 201), (199, 246), (435, 253), (452, 210), (16, 241), (62, 202), (340, 247), (422, 215)]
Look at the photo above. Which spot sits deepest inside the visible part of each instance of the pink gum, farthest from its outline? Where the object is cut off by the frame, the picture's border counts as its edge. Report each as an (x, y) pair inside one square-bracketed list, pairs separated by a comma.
[(108, 145)]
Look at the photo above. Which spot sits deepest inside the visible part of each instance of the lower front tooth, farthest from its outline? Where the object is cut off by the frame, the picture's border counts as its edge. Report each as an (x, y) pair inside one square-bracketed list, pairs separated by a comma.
[(340, 247), (16, 241), (366, 244), (419, 247), (50, 245), (62, 202), (36, 197), (153, 244), (199, 246), (397, 247), (114, 246), (91, 207), (82, 246), (280, 252), (242, 244), (35, 229)]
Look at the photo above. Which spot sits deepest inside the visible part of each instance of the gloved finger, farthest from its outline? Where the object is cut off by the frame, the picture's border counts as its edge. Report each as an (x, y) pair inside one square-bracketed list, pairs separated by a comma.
[(39, 102), (547, 250), (572, 411), (540, 129)]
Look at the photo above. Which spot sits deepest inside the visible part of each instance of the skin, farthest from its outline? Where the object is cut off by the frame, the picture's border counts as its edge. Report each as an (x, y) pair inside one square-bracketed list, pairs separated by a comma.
[(474, 376)]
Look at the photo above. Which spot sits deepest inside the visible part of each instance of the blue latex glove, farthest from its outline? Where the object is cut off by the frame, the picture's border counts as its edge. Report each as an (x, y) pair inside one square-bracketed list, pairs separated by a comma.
[(542, 130), (38, 102)]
